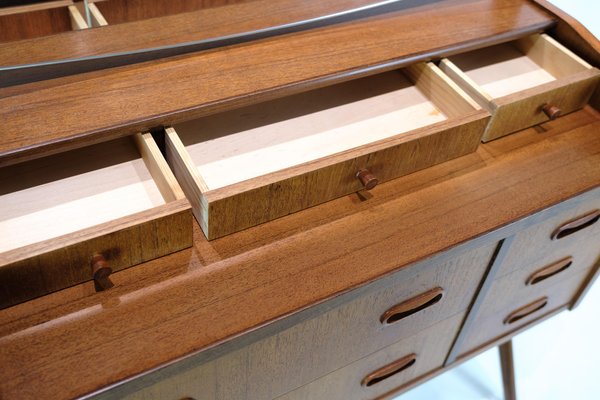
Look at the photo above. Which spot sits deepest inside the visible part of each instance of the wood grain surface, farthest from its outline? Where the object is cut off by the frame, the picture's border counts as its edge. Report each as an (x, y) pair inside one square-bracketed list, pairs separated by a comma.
[(31, 24), (119, 11), (199, 298), (332, 339), (185, 27), (73, 111)]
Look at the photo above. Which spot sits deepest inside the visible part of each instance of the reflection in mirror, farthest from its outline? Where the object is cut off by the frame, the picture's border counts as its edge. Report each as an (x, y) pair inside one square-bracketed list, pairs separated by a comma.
[(31, 19)]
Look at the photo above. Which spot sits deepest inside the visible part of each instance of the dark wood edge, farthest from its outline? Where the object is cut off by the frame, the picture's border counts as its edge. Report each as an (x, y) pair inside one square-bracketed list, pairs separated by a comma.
[(588, 283), (93, 232), (479, 297)]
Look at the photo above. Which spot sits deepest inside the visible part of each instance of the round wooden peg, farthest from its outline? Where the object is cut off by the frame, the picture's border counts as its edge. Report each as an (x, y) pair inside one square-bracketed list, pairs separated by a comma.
[(551, 111), (100, 272), (368, 180)]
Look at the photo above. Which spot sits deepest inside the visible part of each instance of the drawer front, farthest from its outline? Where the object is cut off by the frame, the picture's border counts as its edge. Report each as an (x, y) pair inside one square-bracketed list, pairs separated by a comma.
[(571, 229), (409, 300), (69, 219), (25, 22), (526, 109), (524, 83), (386, 370), (507, 309), (249, 166)]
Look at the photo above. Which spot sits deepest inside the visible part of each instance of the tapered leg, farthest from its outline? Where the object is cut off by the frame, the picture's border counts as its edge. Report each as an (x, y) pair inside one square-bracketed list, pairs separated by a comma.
[(508, 371)]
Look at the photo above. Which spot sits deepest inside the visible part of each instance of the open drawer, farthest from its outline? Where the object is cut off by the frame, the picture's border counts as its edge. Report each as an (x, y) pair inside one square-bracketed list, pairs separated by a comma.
[(65, 216), (523, 83), (39, 19), (247, 166)]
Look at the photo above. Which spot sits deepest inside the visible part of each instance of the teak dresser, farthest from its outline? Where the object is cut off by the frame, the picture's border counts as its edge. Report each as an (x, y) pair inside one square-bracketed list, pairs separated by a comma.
[(337, 212)]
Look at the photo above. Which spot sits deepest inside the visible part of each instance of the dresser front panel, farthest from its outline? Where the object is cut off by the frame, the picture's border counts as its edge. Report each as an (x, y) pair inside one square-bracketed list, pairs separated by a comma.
[(311, 349)]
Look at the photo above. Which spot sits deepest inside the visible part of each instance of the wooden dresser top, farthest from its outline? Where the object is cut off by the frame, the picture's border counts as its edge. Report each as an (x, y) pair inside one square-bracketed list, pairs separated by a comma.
[(58, 114), (76, 341)]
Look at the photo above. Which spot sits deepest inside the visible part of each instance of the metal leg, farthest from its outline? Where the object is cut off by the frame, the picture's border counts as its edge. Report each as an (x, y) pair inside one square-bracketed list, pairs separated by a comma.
[(508, 370)]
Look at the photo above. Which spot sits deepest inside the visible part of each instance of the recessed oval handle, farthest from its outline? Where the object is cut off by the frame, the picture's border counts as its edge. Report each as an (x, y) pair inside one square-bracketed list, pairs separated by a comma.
[(389, 370), (368, 180), (411, 306), (576, 225), (550, 270), (526, 311), (101, 272), (551, 111)]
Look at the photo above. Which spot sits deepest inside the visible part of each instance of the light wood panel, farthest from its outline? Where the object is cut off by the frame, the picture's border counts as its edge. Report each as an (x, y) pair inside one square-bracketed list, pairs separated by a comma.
[(235, 146), (226, 79), (61, 194)]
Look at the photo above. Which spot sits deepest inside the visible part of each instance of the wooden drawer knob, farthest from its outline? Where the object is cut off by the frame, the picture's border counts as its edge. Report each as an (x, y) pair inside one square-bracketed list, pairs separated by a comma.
[(101, 272), (549, 271), (526, 311), (551, 111), (576, 225), (368, 180), (389, 370), (411, 306)]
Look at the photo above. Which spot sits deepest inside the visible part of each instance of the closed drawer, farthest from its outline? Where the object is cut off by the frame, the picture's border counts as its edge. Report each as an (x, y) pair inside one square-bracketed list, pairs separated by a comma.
[(387, 369), (507, 309), (247, 166), (570, 229), (313, 348), (523, 83), (35, 20), (61, 214)]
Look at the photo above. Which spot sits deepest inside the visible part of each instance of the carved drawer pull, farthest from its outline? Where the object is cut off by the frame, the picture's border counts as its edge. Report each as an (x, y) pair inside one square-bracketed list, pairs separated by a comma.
[(526, 311), (549, 271), (551, 111), (389, 370), (576, 225), (368, 180), (101, 272), (411, 306)]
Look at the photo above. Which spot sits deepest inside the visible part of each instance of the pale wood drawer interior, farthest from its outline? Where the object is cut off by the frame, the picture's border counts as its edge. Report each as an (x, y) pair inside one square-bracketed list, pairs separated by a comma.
[(250, 165), (516, 80), (41, 19), (74, 199), (322, 344), (385, 370)]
